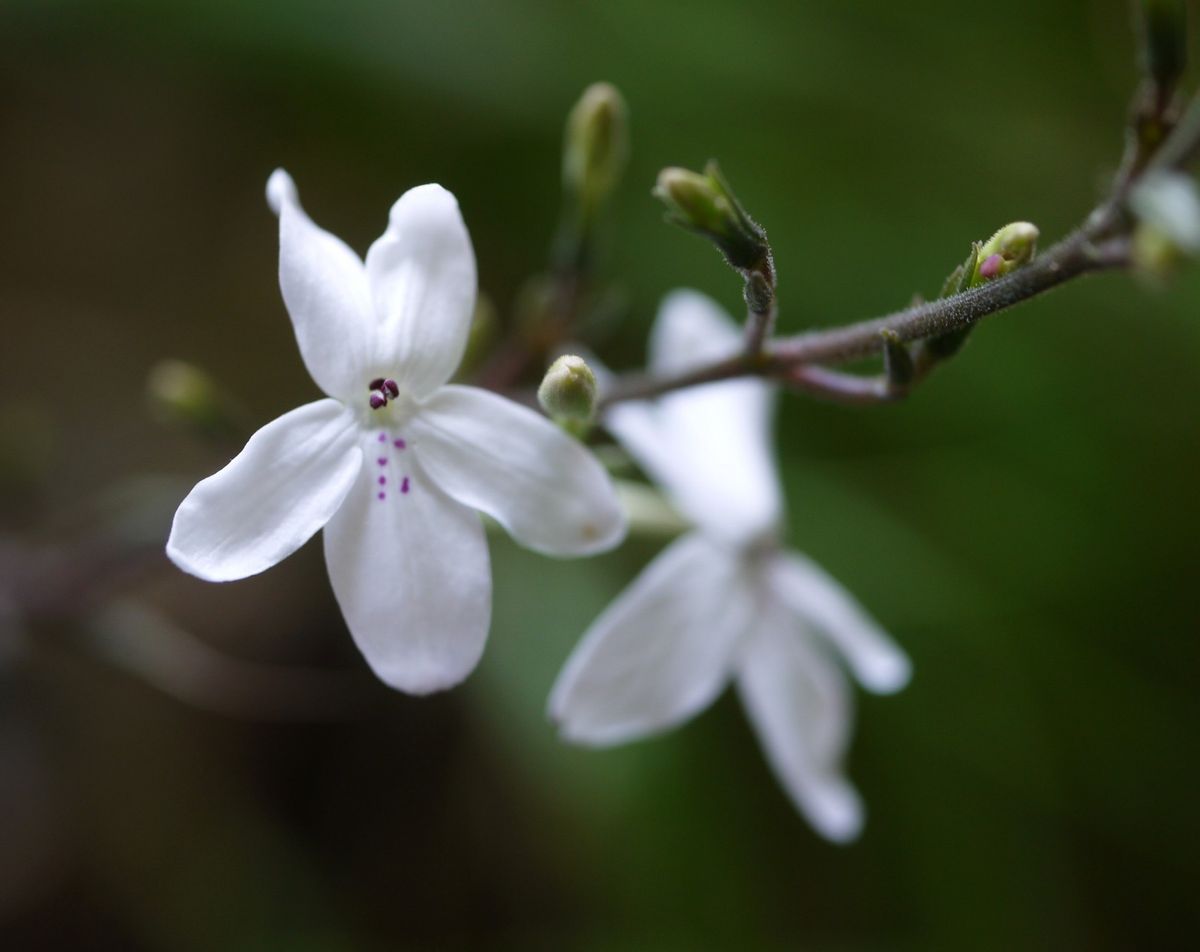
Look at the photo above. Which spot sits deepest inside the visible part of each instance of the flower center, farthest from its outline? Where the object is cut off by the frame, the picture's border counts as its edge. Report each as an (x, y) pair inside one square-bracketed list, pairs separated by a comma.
[(383, 390)]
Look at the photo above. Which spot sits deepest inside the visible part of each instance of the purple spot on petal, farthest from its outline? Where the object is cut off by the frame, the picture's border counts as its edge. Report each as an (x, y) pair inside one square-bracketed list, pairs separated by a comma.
[(382, 437), (382, 461), (399, 444), (382, 480), (383, 495), (404, 485)]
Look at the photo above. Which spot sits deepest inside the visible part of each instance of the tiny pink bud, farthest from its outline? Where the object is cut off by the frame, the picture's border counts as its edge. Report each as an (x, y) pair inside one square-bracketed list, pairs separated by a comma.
[(991, 266)]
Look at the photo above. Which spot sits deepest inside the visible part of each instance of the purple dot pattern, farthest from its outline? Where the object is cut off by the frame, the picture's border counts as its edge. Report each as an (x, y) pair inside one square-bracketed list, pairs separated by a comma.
[(399, 444)]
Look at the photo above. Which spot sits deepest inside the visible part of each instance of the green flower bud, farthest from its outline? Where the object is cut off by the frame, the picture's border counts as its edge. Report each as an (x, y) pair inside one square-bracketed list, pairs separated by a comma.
[(568, 391), (647, 512), (596, 145), (1154, 254), (1009, 248), (182, 394), (706, 205)]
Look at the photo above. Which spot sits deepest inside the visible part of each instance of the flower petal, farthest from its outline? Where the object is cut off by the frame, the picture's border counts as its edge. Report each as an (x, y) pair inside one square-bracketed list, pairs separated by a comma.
[(879, 664), (691, 329), (272, 497), (708, 446), (661, 652), (798, 702), (325, 289), (410, 570), (422, 274), (494, 455)]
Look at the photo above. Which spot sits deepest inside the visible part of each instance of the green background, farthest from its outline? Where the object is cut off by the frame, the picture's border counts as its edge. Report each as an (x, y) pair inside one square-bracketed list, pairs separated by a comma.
[(1026, 524)]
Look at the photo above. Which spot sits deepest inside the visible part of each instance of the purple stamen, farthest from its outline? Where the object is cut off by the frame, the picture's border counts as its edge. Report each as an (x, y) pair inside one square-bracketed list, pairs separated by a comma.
[(377, 400), (376, 384), (391, 387)]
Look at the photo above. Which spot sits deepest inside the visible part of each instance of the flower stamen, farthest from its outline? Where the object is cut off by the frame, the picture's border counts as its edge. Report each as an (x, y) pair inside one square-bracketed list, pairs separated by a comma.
[(382, 390)]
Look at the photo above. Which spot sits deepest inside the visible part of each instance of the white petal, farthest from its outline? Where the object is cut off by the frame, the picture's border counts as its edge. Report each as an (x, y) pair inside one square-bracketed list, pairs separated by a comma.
[(661, 652), (798, 702), (284, 486), (709, 446), (1170, 202), (422, 273), (494, 455), (877, 661), (325, 289), (410, 570), (691, 330)]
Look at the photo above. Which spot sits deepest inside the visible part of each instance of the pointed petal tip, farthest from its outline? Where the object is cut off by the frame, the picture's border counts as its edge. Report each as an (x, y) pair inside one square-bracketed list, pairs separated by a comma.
[(886, 674), (595, 736), (835, 811), (420, 201), (842, 829), (594, 537), (419, 683), (281, 190)]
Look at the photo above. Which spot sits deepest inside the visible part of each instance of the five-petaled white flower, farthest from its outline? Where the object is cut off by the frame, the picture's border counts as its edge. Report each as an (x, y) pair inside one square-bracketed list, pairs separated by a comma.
[(724, 602), (395, 461)]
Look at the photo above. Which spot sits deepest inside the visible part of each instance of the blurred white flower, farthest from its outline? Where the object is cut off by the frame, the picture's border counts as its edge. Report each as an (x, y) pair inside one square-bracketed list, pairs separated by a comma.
[(1170, 202), (395, 462), (724, 602)]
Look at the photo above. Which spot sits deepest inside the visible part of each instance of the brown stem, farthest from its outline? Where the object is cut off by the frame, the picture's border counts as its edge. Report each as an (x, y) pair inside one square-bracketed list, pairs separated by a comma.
[(1072, 257)]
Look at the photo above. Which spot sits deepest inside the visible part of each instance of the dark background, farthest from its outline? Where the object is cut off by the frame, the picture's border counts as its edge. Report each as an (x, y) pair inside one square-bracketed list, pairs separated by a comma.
[(1026, 525)]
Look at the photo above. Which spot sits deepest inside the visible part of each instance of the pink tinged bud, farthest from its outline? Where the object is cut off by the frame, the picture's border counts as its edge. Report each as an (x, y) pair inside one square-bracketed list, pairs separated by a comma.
[(991, 266)]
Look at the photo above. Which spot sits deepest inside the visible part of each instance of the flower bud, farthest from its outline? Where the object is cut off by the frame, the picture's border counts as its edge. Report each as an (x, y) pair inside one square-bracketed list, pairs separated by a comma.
[(1009, 248), (706, 205), (183, 394), (1153, 252), (568, 391), (596, 145)]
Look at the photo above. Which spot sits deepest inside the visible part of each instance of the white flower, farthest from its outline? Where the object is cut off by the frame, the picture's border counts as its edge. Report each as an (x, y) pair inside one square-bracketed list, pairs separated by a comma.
[(395, 461), (724, 602)]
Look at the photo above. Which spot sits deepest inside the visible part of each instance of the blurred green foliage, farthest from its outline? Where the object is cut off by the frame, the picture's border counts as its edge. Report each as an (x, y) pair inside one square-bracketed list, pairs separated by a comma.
[(1026, 524)]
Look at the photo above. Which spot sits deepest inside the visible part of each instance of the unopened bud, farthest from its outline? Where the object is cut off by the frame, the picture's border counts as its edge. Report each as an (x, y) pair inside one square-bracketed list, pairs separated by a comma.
[(1164, 41), (1008, 249), (1153, 252), (596, 145), (568, 391), (181, 393), (705, 204)]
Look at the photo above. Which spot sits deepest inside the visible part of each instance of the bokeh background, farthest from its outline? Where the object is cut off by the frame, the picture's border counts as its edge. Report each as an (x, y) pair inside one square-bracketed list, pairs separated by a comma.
[(1027, 524)]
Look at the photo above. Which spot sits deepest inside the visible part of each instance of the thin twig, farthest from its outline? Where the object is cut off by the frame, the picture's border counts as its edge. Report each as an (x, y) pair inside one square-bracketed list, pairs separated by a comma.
[(1072, 257)]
